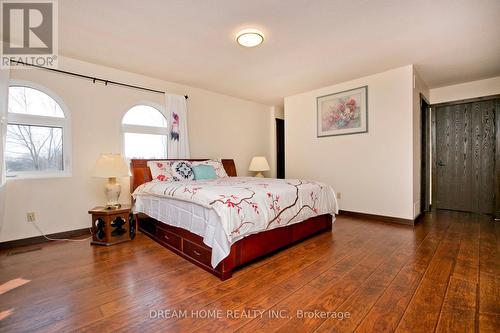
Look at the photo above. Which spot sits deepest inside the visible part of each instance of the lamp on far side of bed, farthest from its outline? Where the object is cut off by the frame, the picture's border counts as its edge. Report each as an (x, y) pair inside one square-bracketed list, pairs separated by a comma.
[(111, 166), (259, 164)]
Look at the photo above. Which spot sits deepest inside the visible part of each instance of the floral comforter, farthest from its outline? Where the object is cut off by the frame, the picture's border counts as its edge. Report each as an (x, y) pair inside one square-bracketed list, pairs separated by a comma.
[(248, 205)]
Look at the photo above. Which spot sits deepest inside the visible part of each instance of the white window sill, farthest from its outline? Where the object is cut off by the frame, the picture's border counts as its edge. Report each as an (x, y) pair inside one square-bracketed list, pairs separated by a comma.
[(38, 175)]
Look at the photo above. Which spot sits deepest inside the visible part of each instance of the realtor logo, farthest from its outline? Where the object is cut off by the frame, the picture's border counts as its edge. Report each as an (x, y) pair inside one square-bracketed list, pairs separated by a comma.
[(29, 32)]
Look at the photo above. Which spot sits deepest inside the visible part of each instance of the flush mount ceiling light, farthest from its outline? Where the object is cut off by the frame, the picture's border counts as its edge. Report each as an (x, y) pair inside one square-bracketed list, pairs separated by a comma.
[(250, 37)]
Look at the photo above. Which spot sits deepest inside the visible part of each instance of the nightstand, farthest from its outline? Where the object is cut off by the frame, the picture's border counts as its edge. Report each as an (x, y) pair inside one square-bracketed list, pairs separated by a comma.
[(112, 226)]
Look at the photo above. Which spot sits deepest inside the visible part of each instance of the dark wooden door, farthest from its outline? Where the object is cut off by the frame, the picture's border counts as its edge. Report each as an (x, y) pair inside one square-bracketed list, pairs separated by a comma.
[(465, 157), (280, 148)]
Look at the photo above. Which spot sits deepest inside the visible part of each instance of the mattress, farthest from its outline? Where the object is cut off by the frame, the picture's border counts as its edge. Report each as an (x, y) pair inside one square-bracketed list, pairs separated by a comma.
[(225, 210)]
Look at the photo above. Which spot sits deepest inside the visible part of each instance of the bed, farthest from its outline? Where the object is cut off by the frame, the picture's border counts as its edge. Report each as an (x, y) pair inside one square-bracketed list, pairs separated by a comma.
[(222, 224)]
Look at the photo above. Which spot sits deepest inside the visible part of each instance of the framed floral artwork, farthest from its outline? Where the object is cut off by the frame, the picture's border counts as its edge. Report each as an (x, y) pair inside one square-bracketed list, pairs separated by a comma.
[(343, 113)]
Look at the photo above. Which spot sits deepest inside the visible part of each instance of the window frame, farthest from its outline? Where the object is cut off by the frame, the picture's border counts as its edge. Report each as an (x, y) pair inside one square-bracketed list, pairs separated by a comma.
[(142, 129), (43, 121)]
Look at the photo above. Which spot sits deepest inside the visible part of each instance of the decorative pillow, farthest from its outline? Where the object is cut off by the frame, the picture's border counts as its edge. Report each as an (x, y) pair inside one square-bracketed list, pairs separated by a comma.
[(219, 168), (161, 170), (204, 171), (182, 170)]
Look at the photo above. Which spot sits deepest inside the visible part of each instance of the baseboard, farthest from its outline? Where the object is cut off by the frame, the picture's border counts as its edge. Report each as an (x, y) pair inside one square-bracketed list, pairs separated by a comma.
[(41, 239), (86, 231), (381, 218)]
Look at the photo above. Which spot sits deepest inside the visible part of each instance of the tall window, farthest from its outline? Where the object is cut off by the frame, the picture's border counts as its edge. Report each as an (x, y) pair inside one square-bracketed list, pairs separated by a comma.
[(145, 133), (37, 134)]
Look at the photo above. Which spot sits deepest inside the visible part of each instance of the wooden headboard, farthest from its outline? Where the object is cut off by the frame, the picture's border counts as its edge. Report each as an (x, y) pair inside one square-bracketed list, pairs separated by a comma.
[(141, 173)]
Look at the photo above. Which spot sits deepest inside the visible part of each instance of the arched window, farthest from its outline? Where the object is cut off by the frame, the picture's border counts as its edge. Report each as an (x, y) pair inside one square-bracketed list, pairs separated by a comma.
[(38, 135), (145, 133)]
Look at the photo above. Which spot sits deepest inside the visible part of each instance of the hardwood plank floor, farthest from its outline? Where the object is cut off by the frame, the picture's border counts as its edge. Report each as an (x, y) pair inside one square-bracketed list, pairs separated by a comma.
[(442, 275)]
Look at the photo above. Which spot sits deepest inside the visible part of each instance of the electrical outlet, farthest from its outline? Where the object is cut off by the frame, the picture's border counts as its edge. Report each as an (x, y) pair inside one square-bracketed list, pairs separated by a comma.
[(30, 217), (339, 195)]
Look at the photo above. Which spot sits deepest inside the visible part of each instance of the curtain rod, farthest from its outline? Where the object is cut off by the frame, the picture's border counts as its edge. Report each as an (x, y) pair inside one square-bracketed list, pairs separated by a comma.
[(94, 79)]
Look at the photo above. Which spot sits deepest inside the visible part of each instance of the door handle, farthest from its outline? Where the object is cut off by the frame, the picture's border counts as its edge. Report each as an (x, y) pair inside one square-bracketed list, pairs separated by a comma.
[(440, 163)]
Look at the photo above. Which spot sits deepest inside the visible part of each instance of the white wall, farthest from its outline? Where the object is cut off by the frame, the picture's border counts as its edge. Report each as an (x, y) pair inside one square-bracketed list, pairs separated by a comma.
[(374, 170), (219, 127), (466, 90), (279, 112)]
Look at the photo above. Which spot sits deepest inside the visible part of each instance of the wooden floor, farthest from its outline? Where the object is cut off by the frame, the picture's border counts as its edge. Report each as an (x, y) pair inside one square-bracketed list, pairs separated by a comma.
[(442, 275)]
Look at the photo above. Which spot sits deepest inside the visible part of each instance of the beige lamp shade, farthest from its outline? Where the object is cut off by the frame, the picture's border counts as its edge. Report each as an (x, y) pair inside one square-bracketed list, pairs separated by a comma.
[(110, 166), (259, 163)]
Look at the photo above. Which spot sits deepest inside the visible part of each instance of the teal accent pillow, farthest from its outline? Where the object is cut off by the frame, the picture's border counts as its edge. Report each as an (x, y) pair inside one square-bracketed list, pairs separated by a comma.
[(204, 172)]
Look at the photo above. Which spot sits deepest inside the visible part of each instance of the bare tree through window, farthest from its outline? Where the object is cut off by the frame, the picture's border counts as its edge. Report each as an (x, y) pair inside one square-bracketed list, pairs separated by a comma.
[(35, 146)]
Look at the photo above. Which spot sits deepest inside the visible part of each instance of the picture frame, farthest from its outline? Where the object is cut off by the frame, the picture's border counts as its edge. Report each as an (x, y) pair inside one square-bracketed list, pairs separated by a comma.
[(343, 113)]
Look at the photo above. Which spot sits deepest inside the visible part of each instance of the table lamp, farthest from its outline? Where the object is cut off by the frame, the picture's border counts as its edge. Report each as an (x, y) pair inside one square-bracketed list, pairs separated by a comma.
[(259, 164), (111, 166)]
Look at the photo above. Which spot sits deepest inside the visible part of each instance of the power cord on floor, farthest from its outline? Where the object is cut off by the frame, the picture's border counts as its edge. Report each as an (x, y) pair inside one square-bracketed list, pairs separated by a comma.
[(61, 239)]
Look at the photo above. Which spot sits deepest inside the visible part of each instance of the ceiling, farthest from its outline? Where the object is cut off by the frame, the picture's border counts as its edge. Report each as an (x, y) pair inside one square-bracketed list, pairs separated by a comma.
[(309, 44)]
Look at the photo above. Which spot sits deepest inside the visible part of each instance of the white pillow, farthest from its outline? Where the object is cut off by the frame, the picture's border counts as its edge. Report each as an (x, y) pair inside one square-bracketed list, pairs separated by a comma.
[(219, 168), (161, 170)]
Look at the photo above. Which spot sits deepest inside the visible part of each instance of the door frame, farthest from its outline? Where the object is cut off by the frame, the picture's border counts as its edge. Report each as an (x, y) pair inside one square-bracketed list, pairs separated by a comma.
[(497, 160), (497, 148), (280, 172), (425, 163)]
